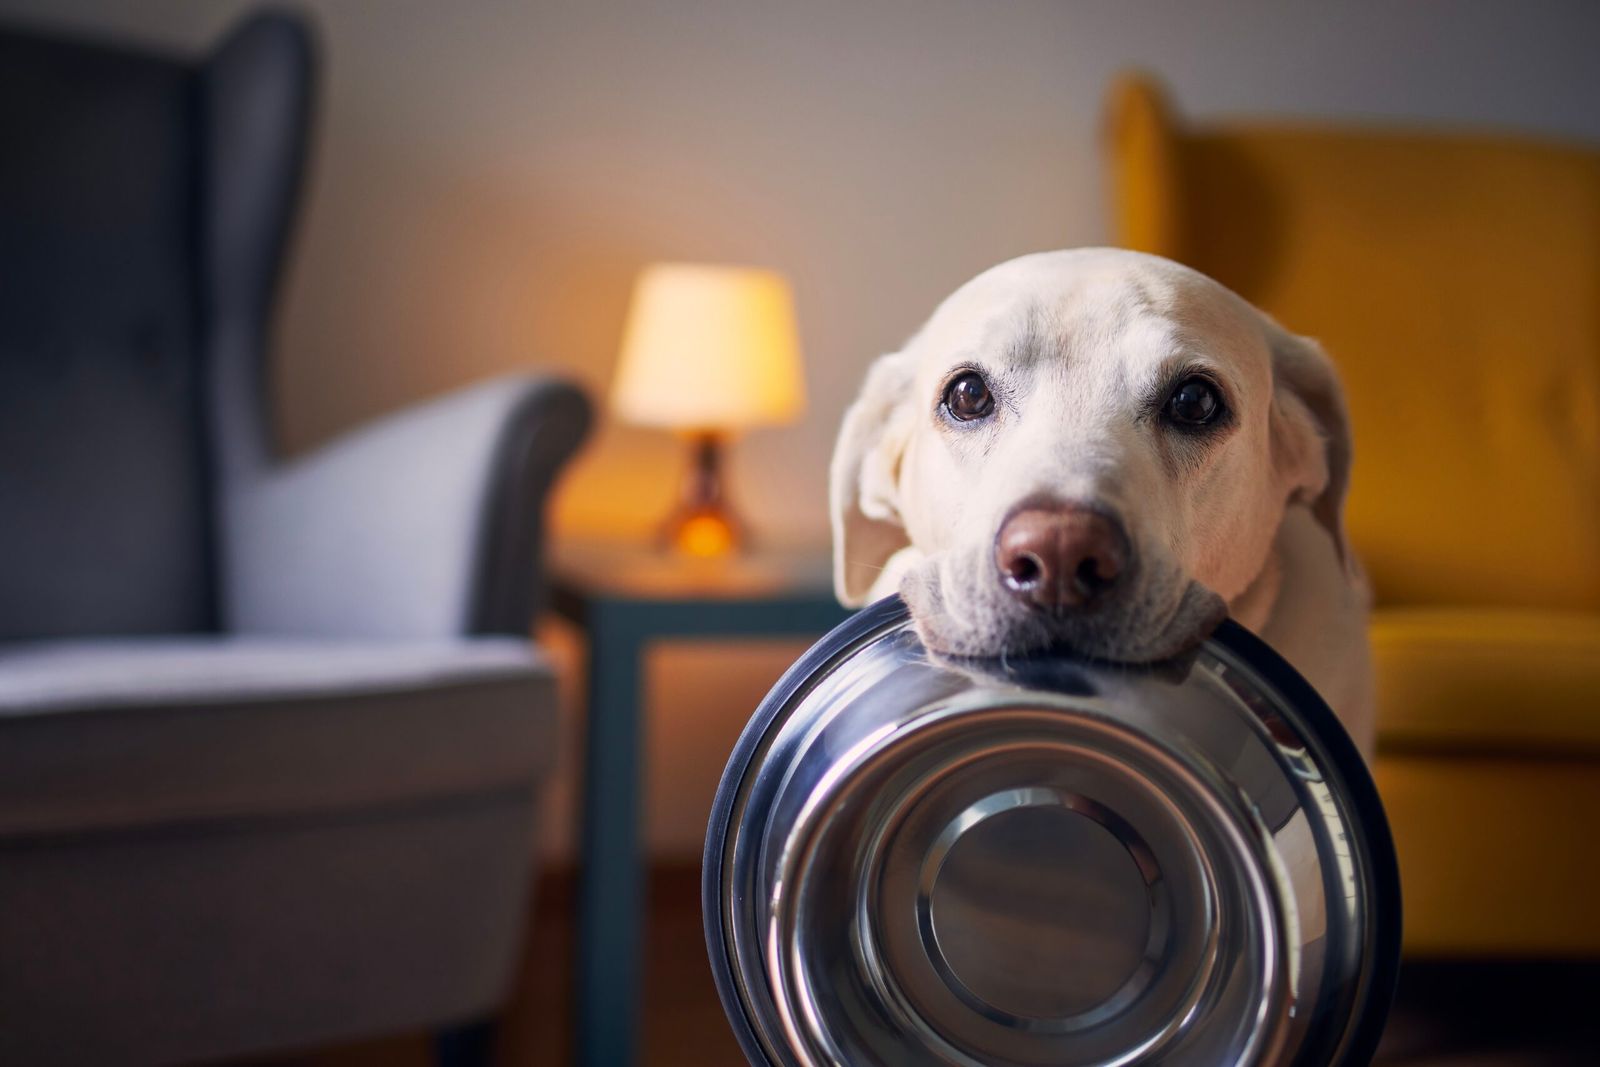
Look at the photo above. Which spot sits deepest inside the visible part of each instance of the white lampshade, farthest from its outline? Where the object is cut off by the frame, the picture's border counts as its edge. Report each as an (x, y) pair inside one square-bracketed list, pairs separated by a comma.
[(709, 348)]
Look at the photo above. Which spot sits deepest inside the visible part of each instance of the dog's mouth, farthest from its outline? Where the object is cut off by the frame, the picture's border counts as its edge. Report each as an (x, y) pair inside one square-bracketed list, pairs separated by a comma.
[(963, 613)]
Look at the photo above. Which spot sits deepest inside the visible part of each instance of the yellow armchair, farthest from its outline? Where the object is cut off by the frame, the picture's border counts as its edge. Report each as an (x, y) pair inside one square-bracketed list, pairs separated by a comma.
[(1455, 280)]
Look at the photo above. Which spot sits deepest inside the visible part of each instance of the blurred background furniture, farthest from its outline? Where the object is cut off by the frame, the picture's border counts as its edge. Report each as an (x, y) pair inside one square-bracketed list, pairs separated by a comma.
[(271, 731), (624, 597), (1455, 280)]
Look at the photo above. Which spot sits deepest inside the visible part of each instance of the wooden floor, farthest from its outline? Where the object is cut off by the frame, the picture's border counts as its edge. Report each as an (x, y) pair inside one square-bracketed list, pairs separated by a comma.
[(1447, 1015), (683, 1020)]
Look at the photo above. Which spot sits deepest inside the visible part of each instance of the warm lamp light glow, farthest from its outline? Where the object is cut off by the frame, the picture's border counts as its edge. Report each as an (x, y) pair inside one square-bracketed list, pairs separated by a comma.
[(705, 535), (709, 348), (706, 351)]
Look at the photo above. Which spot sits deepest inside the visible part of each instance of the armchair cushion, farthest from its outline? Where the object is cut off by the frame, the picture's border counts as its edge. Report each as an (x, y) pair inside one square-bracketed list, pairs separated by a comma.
[(214, 846), (106, 734), (1494, 681)]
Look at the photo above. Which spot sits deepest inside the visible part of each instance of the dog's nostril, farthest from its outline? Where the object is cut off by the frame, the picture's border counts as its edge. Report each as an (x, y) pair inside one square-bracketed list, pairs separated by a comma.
[(1090, 577), (1023, 570)]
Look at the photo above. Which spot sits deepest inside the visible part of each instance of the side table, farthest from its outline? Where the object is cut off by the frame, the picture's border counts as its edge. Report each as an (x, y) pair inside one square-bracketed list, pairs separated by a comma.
[(623, 597)]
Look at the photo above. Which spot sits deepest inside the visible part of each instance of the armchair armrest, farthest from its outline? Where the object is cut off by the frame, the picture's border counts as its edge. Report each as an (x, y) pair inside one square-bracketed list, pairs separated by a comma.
[(426, 523)]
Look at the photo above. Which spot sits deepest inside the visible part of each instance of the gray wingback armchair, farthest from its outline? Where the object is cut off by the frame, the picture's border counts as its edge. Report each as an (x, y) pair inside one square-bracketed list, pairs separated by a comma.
[(271, 731)]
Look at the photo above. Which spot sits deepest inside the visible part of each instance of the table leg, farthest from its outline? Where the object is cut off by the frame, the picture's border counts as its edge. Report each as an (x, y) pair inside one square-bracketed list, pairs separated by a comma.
[(610, 945)]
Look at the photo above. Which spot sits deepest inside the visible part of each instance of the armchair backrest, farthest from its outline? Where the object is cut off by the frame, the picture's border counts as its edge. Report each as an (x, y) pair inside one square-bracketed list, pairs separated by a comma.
[(144, 205), (1455, 280)]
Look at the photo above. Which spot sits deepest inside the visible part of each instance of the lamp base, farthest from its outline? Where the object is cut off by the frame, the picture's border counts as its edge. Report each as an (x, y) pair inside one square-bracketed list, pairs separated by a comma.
[(703, 524)]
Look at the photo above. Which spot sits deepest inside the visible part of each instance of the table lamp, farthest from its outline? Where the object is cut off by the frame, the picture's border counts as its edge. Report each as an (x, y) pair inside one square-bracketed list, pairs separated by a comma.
[(708, 351)]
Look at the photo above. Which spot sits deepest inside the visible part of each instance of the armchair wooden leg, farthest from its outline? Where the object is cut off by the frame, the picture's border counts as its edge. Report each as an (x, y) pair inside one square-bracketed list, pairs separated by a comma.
[(465, 1044)]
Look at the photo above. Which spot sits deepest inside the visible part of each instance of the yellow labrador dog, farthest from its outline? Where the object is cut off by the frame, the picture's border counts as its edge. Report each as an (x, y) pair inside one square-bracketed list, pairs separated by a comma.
[(1106, 450)]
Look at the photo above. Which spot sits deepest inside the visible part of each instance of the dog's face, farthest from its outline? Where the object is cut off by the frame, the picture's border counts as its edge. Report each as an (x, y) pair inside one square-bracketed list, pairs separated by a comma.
[(1093, 448)]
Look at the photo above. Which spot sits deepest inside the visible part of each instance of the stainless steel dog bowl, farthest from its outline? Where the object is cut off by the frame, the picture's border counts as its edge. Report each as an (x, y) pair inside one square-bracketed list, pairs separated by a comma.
[(1048, 862)]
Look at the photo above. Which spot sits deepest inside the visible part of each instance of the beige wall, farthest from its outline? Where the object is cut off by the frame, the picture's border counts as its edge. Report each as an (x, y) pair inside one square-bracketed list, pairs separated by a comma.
[(489, 176)]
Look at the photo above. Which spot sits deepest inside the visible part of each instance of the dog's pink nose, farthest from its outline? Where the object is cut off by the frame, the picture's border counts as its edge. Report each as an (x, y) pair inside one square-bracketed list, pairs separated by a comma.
[(1060, 556)]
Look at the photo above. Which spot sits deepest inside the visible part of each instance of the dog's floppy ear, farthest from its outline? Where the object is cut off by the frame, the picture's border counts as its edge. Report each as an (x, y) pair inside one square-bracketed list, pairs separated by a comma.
[(863, 482), (1310, 430)]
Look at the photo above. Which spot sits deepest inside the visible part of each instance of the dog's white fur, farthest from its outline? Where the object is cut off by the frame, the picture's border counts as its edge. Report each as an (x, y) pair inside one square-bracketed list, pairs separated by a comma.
[(1080, 349)]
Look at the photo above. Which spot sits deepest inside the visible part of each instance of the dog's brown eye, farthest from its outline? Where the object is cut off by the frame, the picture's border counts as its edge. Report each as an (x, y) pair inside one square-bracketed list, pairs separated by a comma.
[(968, 397), (1193, 403)]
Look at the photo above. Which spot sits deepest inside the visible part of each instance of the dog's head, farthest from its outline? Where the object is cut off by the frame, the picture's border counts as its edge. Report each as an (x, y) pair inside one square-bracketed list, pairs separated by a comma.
[(1092, 447)]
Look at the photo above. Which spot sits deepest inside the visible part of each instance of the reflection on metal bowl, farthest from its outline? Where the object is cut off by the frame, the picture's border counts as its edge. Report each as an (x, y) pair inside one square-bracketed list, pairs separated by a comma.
[(1048, 862)]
